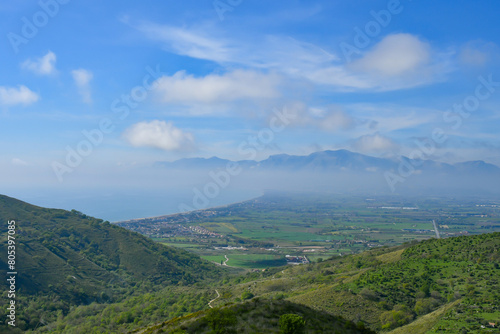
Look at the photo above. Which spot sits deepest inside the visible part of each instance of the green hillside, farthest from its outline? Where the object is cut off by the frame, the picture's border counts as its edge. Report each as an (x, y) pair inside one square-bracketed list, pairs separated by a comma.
[(448, 284), (67, 258), (256, 316)]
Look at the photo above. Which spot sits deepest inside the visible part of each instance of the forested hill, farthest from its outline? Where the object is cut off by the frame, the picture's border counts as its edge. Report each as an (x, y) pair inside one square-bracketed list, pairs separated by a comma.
[(258, 316), (439, 285), (434, 286), (446, 285), (80, 259)]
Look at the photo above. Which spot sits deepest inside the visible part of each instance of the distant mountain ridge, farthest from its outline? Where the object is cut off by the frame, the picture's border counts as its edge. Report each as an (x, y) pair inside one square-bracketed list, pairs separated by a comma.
[(333, 160)]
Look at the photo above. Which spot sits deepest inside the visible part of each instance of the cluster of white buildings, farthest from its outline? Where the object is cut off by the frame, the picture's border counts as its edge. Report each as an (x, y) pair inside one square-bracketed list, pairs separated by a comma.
[(291, 259)]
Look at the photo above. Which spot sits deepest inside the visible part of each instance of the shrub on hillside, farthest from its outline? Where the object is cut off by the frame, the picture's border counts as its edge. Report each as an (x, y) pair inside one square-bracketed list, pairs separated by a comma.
[(292, 324), (369, 294), (221, 320), (399, 316), (246, 295)]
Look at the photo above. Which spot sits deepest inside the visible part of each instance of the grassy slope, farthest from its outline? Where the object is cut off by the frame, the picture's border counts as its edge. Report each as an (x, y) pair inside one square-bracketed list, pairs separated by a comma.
[(328, 297), (258, 316), (81, 259), (430, 274), (133, 312), (390, 287), (426, 322)]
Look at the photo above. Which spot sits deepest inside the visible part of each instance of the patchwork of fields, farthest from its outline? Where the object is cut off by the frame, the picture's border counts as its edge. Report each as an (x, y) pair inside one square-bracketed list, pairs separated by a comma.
[(257, 234)]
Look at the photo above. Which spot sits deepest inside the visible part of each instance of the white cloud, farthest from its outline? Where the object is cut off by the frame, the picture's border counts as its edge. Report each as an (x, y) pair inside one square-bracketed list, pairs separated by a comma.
[(395, 55), (338, 77), (19, 162), (337, 119), (375, 143), (330, 119), (159, 134), (478, 53), (10, 96), (42, 66), (183, 88), (472, 56), (82, 80), (400, 61)]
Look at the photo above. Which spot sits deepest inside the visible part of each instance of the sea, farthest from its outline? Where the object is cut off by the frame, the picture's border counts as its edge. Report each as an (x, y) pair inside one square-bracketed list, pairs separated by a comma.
[(123, 204)]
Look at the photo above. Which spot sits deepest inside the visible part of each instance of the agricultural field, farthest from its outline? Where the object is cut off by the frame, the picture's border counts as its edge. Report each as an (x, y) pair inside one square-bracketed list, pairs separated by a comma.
[(249, 261), (259, 233)]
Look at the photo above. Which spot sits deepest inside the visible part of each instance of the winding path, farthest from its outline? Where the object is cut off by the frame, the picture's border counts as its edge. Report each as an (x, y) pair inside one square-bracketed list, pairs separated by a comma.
[(210, 302), (225, 262)]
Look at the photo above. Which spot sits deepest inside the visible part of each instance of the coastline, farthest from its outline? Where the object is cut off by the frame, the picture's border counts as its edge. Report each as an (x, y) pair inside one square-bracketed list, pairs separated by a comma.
[(171, 215)]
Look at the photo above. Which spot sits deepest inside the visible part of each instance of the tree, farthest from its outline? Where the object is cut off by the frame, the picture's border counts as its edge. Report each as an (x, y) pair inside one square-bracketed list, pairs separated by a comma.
[(423, 306), (246, 295), (399, 316), (292, 324), (369, 294), (220, 320)]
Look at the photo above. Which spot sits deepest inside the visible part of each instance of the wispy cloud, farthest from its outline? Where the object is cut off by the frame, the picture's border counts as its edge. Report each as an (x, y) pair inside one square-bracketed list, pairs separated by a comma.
[(159, 134), (45, 65), (19, 162), (387, 118), (403, 60), (478, 53), (190, 43), (82, 80), (269, 52), (22, 95)]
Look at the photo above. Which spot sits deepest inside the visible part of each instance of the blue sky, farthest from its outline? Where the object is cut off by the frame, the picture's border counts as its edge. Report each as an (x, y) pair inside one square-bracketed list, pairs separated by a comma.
[(172, 79)]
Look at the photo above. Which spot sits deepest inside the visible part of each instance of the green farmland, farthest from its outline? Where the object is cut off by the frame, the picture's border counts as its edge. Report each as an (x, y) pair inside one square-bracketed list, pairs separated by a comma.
[(260, 232), (248, 261)]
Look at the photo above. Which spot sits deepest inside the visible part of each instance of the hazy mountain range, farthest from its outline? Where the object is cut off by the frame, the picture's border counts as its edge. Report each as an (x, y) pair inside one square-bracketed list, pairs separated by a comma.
[(342, 160), (346, 172)]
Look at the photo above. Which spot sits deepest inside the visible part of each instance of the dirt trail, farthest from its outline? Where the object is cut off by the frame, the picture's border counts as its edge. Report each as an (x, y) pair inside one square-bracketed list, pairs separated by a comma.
[(210, 302)]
